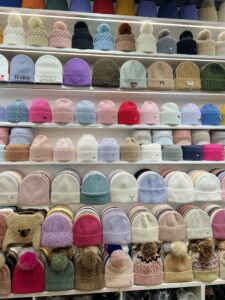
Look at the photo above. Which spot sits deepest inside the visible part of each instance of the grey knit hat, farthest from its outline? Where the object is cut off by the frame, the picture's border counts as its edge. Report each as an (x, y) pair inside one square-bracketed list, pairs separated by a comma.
[(166, 43), (172, 153)]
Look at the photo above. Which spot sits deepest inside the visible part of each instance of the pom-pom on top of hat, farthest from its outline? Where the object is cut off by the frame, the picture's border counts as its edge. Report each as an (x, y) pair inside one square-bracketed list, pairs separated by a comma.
[(15, 20), (146, 28), (178, 249), (14, 33), (28, 260), (59, 262), (103, 28), (37, 34), (60, 25), (89, 260), (34, 22), (118, 259), (125, 28)]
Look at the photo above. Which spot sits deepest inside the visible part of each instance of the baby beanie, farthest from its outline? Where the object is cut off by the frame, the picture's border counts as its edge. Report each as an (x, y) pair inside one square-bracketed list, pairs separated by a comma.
[(132, 75), (147, 8), (168, 9), (87, 149), (221, 13), (22, 69), (60, 37), (213, 77), (39, 4), (63, 111), (166, 43), (160, 76), (80, 6), (105, 73), (104, 39), (125, 7), (149, 113), (85, 112), (82, 38), (106, 7), (128, 113), (142, 136), (200, 137), (190, 114), (170, 114), (146, 41), (41, 149), (106, 112), (64, 150), (14, 33), (208, 11), (109, 150), (48, 69), (40, 111), (187, 76), (125, 40), (4, 68), (188, 10), (186, 44), (57, 4), (37, 35), (210, 115), (130, 150), (12, 3), (220, 44), (77, 73), (205, 43), (17, 111)]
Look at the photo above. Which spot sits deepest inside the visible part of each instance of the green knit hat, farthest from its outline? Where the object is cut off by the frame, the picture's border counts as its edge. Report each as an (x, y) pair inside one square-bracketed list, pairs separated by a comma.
[(213, 77), (57, 4)]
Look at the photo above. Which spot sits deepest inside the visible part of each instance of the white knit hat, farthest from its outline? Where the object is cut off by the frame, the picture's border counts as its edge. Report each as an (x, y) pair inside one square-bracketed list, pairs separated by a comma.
[(170, 114), (207, 187), (220, 44), (4, 68), (37, 34), (146, 41), (205, 43), (221, 13), (208, 12), (142, 136), (14, 33), (48, 69), (151, 152), (9, 187), (87, 148)]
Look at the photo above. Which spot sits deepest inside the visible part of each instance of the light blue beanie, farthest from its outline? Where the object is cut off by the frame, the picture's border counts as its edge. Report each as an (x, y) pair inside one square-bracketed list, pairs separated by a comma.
[(104, 40), (17, 111), (22, 136), (2, 113), (2, 152), (22, 69), (133, 75), (85, 112), (109, 150), (162, 137)]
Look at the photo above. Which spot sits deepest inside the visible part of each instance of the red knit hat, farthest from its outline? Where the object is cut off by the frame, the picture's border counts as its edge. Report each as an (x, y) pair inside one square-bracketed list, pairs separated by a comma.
[(128, 113), (103, 7)]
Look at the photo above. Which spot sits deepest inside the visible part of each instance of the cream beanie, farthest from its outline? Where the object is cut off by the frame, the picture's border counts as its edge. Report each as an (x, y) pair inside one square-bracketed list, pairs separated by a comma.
[(160, 76), (87, 149), (208, 11), (221, 13), (207, 187), (48, 69), (41, 149), (37, 34), (146, 41), (220, 44), (205, 43), (14, 33), (151, 152)]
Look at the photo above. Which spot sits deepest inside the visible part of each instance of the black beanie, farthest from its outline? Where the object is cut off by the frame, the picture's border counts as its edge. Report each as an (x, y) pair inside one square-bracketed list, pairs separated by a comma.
[(186, 44), (82, 38)]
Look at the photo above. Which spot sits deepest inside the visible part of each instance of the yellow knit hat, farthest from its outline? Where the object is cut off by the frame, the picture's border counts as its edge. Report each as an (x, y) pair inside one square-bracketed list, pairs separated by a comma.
[(222, 111), (125, 7), (1, 35), (187, 77)]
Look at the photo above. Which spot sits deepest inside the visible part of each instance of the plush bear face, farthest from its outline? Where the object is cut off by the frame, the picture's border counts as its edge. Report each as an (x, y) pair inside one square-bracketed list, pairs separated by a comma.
[(206, 249), (149, 249)]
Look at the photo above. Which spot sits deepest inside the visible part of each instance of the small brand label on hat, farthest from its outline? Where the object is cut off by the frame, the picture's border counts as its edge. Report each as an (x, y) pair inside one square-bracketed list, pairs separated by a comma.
[(133, 84), (190, 82), (2, 77), (162, 82), (106, 82)]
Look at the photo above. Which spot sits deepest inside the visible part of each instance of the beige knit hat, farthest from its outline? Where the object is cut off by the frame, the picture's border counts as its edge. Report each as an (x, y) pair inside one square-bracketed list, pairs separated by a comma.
[(208, 11), (125, 40), (187, 76), (160, 76), (220, 44), (205, 44), (221, 13), (37, 34), (41, 149), (130, 150)]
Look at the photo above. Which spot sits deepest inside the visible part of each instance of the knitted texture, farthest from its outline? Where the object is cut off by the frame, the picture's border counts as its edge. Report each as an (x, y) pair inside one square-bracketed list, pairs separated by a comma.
[(213, 77), (82, 38), (60, 37), (37, 34), (187, 76), (16, 152)]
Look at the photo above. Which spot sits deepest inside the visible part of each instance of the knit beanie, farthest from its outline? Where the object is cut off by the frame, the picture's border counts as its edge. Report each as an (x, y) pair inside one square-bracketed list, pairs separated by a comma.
[(172, 153), (89, 275), (170, 114), (22, 69), (109, 150), (166, 43), (106, 7), (221, 13), (188, 10), (104, 39), (205, 43), (147, 8), (207, 187), (125, 40), (77, 73), (87, 149), (60, 37), (146, 41), (125, 7), (193, 152), (39, 4), (208, 11), (17, 111), (220, 44), (106, 112), (162, 137), (128, 113), (130, 150), (5, 280), (4, 135), (142, 136), (105, 73), (9, 188), (14, 33), (217, 137), (210, 115), (217, 218), (57, 4), (82, 38), (37, 34), (80, 6), (41, 149), (190, 114), (132, 75), (63, 111), (149, 113), (17, 152), (48, 69), (151, 152), (200, 137), (160, 76), (187, 76), (186, 44), (213, 77), (12, 3), (64, 150), (28, 276), (213, 152), (85, 112), (182, 137), (40, 111), (168, 9), (4, 68)]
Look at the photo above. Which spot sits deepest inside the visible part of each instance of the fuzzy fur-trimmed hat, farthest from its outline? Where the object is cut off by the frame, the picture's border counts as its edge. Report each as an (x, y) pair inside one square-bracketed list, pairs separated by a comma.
[(187, 76), (146, 42), (160, 76), (37, 35), (125, 40), (205, 43), (208, 11)]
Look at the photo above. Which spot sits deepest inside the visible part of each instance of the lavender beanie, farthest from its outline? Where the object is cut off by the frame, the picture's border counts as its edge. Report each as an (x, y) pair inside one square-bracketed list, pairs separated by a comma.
[(147, 8), (85, 112), (22, 69), (190, 114), (109, 150), (77, 73)]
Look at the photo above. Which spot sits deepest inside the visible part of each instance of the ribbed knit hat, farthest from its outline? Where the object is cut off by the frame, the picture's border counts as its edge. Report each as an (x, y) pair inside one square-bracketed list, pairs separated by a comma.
[(87, 149), (41, 149), (109, 150), (147, 8), (105, 73), (170, 114), (130, 150), (208, 11), (221, 13), (151, 152), (205, 43), (63, 111), (77, 73), (125, 40), (5, 279), (168, 9), (37, 35), (80, 6), (104, 39), (149, 113), (4, 68), (186, 44), (12, 3), (14, 33), (57, 4), (182, 137), (128, 113), (200, 137), (188, 10), (22, 69), (213, 77), (39, 4), (60, 37), (82, 38), (106, 112), (64, 150), (85, 112), (210, 115), (48, 69), (187, 76), (106, 7), (40, 111), (220, 44), (160, 76), (146, 41), (190, 114), (142, 136), (132, 75), (17, 111), (166, 43), (125, 7)]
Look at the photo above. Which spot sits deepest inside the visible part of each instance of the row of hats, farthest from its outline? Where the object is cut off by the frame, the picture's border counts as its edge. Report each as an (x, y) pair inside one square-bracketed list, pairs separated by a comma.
[(121, 187), (145, 8), (106, 73)]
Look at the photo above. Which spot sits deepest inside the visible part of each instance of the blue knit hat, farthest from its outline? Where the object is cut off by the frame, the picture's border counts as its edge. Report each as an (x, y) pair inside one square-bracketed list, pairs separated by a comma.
[(17, 111), (109, 150), (22, 136), (22, 69), (2, 113), (147, 8), (210, 115), (168, 9), (80, 5), (193, 152), (188, 11), (85, 112), (11, 3), (104, 40)]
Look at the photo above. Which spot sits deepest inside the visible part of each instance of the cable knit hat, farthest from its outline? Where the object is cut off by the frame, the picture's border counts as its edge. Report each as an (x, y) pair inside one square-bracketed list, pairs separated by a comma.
[(128, 113), (130, 150), (147, 8), (82, 38), (205, 43), (160, 76), (14, 33), (186, 44), (168, 9), (40, 111), (12, 3), (104, 39), (21, 136), (149, 113), (221, 13), (220, 44), (63, 111), (77, 73), (105, 7), (80, 6), (125, 40), (39, 4), (142, 136), (166, 43), (109, 150), (200, 137), (106, 112), (105, 73), (210, 115), (57, 4), (41, 149), (4, 68), (213, 77), (190, 114), (17, 111), (146, 41), (170, 114), (48, 69), (37, 34), (132, 75), (208, 11), (85, 112), (64, 150), (60, 37), (187, 76), (125, 7), (87, 149), (5, 278), (22, 69), (188, 10)]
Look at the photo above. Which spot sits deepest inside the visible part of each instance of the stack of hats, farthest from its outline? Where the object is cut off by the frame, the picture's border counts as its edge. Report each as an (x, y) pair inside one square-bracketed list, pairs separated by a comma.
[(9, 187)]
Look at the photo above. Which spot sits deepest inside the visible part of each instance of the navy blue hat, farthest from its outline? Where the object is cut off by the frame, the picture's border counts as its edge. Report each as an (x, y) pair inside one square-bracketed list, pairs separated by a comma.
[(193, 152), (147, 8), (11, 3), (168, 9), (210, 115), (82, 38), (186, 44)]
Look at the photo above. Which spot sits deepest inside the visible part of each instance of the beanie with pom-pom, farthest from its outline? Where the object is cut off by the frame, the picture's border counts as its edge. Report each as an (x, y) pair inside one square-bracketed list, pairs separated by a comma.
[(57, 4), (5, 280), (220, 44), (80, 6), (37, 35), (147, 8), (103, 7), (60, 37), (186, 44), (14, 33), (166, 43), (82, 38), (146, 41), (39, 4), (205, 43), (208, 11), (104, 39), (125, 40)]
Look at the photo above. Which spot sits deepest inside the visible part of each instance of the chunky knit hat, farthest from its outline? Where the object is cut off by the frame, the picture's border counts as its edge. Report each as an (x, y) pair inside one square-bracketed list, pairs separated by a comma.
[(200, 137), (130, 150), (85, 112), (146, 41), (106, 112), (39, 4), (170, 114), (37, 34), (210, 115), (80, 6), (82, 38), (48, 69), (221, 12), (187, 76), (64, 150), (105, 7), (57, 4), (87, 149), (4, 68), (41, 149), (160, 76), (166, 43), (77, 73), (186, 44), (128, 113), (213, 77), (149, 113), (22, 69), (17, 152), (5, 280), (190, 114), (142, 136), (104, 39), (17, 111), (40, 111), (60, 37), (205, 43), (147, 8), (14, 33), (220, 44), (168, 9), (208, 11), (105, 73), (125, 40), (109, 150), (188, 10), (132, 75), (125, 7), (12, 3), (63, 111)]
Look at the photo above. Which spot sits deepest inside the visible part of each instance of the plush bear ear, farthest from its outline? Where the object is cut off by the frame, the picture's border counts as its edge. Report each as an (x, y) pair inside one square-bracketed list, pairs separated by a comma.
[(11, 219), (38, 218)]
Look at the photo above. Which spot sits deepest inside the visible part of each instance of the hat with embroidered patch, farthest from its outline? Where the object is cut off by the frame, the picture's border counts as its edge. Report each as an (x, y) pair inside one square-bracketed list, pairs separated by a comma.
[(105, 73), (132, 75), (166, 43), (22, 69), (149, 113), (60, 37), (187, 76), (160, 76)]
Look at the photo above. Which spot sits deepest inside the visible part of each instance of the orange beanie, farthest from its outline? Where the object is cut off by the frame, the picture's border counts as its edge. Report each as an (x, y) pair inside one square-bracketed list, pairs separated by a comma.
[(33, 4)]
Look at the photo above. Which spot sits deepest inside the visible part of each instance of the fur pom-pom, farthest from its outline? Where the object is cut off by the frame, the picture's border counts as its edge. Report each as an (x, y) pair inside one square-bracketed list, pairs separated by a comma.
[(15, 20), (103, 28), (118, 259), (163, 33), (205, 35), (186, 34), (149, 249), (60, 25), (28, 260), (221, 37), (2, 260), (34, 22), (125, 28), (59, 262), (79, 25), (146, 28), (166, 248), (89, 259), (178, 249)]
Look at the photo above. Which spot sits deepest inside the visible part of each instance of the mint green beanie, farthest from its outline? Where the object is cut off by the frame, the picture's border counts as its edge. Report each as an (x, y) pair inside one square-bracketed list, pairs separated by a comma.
[(213, 77), (57, 4)]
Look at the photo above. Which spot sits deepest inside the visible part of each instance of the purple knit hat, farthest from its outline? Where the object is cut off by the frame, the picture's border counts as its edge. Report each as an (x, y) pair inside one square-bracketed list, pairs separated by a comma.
[(188, 11), (147, 8), (77, 73), (80, 5), (190, 114)]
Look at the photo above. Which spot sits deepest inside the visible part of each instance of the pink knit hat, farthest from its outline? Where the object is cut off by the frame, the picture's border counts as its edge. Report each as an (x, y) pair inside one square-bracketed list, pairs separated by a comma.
[(213, 152), (63, 111), (149, 113), (106, 112), (40, 111), (4, 135), (64, 150), (41, 149), (218, 224), (3, 225), (60, 37)]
